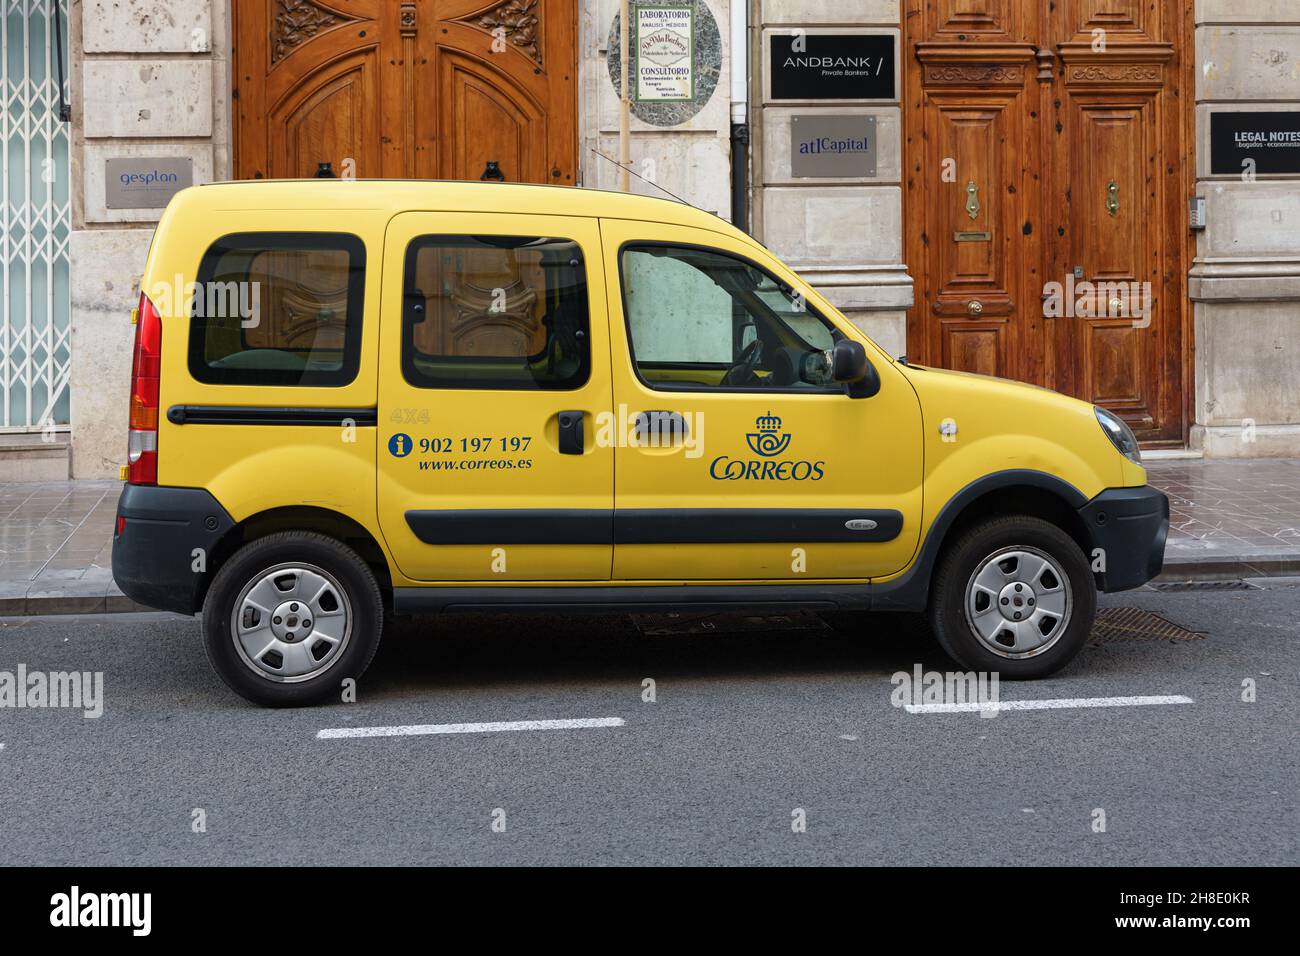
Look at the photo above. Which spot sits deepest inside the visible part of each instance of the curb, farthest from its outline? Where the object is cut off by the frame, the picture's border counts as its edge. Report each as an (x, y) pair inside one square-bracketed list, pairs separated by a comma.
[(94, 601), (69, 602)]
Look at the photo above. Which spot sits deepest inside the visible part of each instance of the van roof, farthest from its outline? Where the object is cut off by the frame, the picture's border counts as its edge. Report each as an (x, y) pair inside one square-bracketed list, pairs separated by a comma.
[(399, 195)]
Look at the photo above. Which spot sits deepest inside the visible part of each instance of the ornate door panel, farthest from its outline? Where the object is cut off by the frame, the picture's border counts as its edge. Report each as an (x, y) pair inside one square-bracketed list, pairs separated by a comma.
[(973, 192), (1121, 181), (1077, 113), (432, 89)]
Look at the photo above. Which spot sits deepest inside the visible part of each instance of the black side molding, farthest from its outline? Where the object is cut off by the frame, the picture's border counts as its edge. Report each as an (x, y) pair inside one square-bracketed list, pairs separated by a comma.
[(258, 415), (754, 525), (655, 526), (754, 598), (514, 526)]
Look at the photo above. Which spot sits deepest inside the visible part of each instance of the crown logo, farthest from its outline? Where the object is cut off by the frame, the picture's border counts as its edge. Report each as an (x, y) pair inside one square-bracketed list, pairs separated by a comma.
[(768, 441)]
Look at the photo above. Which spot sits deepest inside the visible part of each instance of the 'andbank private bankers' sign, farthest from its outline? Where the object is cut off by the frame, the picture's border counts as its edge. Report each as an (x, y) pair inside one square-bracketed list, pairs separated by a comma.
[(833, 66)]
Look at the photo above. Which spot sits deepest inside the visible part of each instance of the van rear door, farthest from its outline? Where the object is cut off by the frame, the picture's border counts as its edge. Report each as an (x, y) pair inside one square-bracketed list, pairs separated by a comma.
[(494, 362)]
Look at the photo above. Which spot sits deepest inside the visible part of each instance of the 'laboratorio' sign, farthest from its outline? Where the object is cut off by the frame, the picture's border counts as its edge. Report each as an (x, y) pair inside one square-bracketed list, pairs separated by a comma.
[(665, 54), (145, 182)]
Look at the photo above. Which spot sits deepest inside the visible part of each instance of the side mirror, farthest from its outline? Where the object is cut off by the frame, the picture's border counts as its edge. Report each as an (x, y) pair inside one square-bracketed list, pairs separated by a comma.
[(849, 366), (848, 361)]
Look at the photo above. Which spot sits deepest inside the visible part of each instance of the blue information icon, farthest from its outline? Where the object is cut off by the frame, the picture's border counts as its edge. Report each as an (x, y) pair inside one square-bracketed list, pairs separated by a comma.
[(400, 445)]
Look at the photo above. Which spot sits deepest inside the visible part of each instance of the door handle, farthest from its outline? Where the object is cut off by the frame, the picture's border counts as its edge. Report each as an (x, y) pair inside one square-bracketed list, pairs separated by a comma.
[(658, 428), (493, 171), (972, 200), (571, 432), (1112, 198)]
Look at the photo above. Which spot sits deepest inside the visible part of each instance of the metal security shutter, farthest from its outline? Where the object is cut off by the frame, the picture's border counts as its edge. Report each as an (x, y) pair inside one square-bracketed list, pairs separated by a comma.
[(35, 221)]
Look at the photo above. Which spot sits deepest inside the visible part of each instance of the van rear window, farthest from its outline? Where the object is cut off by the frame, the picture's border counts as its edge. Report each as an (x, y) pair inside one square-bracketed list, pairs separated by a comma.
[(278, 309), (495, 312)]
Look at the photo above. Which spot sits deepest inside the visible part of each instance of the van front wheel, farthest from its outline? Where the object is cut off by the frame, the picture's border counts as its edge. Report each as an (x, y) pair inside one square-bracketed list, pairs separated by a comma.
[(290, 616), (1013, 595)]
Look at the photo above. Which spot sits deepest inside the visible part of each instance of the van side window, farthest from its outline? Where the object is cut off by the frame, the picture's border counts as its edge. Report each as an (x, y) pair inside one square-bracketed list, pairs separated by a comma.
[(278, 309), (702, 319), (495, 312)]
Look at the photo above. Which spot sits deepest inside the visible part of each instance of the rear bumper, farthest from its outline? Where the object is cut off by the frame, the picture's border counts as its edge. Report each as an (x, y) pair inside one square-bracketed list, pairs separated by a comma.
[(1128, 527), (163, 550)]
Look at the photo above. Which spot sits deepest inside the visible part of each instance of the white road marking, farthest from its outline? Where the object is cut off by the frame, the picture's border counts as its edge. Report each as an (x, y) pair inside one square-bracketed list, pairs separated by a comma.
[(493, 727), (1064, 703)]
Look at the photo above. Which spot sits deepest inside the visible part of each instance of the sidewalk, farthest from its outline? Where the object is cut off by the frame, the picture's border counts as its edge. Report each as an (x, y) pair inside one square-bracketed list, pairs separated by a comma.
[(1229, 520)]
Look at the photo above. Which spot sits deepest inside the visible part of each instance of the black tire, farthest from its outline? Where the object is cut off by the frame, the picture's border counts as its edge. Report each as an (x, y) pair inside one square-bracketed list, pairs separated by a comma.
[(361, 602), (954, 573)]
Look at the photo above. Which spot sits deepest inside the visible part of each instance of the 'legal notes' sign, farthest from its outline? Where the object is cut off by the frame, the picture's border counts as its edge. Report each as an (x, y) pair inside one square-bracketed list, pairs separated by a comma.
[(1262, 143)]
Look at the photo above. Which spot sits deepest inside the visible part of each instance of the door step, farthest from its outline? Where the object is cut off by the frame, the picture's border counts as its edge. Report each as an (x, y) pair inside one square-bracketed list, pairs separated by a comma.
[(28, 457), (1172, 454)]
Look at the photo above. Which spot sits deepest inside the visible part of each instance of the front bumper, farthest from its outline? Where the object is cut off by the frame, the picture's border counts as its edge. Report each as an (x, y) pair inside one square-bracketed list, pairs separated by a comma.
[(1128, 527), (164, 548)]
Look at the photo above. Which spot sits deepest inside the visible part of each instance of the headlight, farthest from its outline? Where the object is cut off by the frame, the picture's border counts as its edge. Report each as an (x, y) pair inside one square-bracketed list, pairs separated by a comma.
[(1120, 435)]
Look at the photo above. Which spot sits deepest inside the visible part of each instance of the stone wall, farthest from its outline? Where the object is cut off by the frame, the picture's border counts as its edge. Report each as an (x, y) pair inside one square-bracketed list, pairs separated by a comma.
[(691, 160), (1245, 283), (845, 236), (148, 78)]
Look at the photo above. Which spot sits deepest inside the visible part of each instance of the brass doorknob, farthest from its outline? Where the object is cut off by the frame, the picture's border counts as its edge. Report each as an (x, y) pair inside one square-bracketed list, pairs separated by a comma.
[(975, 307)]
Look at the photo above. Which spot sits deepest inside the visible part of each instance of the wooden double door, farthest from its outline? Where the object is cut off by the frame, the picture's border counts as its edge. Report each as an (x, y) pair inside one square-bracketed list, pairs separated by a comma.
[(1048, 166), (430, 89)]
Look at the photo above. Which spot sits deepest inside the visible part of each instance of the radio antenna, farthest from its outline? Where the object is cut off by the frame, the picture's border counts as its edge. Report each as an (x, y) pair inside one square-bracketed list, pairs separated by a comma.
[(651, 182)]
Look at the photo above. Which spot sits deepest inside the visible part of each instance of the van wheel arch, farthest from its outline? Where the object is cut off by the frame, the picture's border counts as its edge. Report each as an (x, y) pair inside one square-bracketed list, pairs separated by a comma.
[(1026, 492), (340, 527)]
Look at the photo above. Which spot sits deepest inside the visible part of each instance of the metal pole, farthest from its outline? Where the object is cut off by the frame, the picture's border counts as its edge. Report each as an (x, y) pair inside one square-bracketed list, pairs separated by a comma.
[(625, 102)]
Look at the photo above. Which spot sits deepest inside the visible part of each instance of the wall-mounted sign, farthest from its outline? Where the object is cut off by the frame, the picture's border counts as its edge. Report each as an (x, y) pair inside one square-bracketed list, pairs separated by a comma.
[(1272, 140), (832, 146), (833, 66), (668, 89), (664, 42), (146, 182)]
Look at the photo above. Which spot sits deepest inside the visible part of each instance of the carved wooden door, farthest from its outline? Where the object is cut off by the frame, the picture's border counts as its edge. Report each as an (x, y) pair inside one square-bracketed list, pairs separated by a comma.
[(434, 89), (1046, 195)]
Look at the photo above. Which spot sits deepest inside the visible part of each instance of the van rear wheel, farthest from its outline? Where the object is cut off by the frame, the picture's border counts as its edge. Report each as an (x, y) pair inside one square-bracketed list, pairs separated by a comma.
[(1013, 595), (290, 616)]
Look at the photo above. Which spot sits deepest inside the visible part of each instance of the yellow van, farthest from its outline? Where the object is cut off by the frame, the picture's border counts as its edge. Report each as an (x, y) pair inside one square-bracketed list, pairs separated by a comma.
[(357, 399)]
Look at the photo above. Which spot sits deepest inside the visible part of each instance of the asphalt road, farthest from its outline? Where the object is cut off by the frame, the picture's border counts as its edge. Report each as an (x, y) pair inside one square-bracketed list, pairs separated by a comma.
[(750, 725)]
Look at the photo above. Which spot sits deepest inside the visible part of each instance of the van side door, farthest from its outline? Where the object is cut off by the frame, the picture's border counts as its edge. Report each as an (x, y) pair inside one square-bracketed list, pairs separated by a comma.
[(494, 368), (748, 463)]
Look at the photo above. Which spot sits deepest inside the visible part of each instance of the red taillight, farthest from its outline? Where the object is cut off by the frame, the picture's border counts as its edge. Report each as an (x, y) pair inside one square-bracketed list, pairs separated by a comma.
[(146, 367)]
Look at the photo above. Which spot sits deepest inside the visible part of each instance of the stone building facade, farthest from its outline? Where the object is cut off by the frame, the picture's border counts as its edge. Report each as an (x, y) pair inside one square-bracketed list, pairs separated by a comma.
[(156, 78)]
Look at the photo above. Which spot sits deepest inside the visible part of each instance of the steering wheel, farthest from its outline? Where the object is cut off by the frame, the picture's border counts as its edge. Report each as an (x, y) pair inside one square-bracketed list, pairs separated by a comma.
[(742, 374)]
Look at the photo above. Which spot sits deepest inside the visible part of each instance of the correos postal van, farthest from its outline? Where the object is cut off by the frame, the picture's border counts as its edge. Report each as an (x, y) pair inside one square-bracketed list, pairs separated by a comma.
[(354, 399)]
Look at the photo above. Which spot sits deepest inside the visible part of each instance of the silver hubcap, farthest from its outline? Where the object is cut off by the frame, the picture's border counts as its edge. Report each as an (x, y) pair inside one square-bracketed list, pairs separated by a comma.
[(1018, 602), (291, 622)]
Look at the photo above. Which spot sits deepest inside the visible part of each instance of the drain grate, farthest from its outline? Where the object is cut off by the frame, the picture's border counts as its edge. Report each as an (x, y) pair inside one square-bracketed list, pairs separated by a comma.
[(726, 623), (1133, 624), (1204, 586)]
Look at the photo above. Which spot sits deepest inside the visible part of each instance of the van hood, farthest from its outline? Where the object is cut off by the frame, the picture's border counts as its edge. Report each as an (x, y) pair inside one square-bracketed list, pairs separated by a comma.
[(976, 378)]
